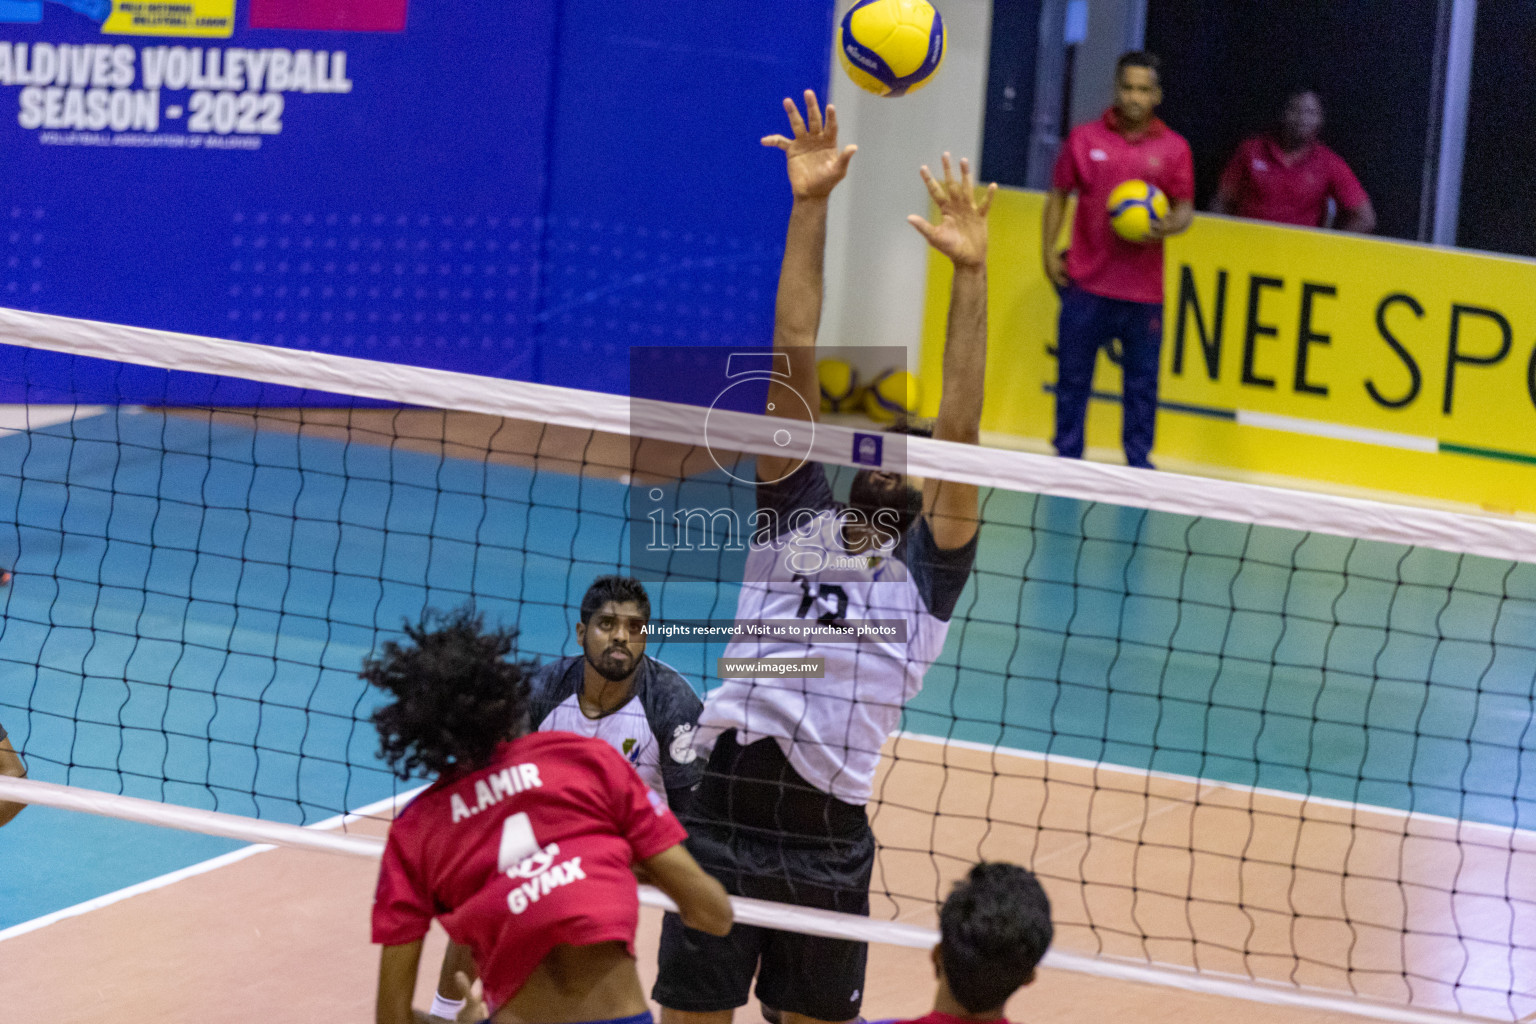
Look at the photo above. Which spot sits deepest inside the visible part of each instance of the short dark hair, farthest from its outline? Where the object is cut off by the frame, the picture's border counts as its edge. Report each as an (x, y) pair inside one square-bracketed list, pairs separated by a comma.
[(1299, 90), (457, 696), (1139, 59), (614, 588), (993, 929)]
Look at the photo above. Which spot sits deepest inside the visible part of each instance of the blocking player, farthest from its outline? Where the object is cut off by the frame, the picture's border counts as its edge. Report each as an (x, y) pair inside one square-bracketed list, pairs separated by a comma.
[(523, 845), (615, 692), (780, 814), (993, 931), (10, 765)]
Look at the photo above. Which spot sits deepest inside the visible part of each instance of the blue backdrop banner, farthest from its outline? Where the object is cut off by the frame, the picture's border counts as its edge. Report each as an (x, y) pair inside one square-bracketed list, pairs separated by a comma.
[(519, 190)]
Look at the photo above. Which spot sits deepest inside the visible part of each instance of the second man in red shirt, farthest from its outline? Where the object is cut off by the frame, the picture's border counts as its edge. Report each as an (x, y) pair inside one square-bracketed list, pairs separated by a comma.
[(1289, 176)]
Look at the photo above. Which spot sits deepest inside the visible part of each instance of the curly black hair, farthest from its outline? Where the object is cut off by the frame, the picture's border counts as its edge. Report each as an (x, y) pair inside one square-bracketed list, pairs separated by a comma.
[(457, 694), (993, 930), (1139, 59)]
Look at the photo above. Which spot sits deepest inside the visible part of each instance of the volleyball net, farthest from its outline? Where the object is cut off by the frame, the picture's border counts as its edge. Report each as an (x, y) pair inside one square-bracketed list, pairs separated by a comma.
[(1238, 732)]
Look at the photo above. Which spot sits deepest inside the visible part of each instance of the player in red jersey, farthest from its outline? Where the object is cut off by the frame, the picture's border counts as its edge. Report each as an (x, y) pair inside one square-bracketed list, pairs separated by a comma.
[(523, 846), (993, 931)]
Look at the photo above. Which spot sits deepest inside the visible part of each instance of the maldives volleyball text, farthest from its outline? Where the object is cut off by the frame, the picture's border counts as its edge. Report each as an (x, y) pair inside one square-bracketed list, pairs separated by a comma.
[(117, 87)]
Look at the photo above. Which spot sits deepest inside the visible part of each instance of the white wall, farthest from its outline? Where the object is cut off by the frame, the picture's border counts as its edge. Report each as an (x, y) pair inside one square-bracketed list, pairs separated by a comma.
[(1114, 26), (876, 262)]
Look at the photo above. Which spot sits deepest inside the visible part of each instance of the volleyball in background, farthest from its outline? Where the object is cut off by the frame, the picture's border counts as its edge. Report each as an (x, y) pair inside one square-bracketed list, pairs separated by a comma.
[(840, 391), (891, 396), (891, 47), (1134, 206)]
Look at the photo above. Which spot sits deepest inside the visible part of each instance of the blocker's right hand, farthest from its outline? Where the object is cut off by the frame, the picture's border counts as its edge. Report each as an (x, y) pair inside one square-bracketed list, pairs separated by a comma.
[(814, 163), (1056, 268)]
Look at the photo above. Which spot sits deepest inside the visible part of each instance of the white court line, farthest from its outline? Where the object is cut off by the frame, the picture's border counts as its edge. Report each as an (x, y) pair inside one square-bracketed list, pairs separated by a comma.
[(133, 890), (192, 871), (1301, 799), (895, 933), (18, 419), (1235, 986)]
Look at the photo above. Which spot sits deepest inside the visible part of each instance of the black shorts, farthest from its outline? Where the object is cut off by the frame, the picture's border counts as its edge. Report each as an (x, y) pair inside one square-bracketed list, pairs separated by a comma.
[(767, 834)]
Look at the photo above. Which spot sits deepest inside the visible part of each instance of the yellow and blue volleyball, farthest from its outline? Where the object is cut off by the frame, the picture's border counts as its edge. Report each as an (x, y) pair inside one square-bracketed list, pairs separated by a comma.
[(840, 391), (1134, 206), (891, 47), (891, 396)]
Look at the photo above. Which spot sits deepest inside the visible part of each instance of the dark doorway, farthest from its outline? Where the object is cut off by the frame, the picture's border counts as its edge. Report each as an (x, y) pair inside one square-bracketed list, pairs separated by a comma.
[(1228, 65), (1010, 113), (1498, 177)]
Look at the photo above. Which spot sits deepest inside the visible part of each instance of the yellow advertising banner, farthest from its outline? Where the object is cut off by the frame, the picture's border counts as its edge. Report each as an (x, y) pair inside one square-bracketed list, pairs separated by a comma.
[(207, 18), (1313, 355)]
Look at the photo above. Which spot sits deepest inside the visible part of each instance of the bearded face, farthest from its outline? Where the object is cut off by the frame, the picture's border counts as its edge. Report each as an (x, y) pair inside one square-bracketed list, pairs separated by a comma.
[(613, 639)]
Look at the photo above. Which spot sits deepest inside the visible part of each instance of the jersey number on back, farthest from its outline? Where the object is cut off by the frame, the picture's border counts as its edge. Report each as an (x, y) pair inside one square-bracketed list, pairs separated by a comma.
[(815, 593), (518, 842)]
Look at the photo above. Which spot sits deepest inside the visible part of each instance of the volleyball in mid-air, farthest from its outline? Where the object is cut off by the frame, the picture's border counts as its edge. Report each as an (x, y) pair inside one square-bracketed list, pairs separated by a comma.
[(891, 47), (840, 390), (891, 396), (1134, 206)]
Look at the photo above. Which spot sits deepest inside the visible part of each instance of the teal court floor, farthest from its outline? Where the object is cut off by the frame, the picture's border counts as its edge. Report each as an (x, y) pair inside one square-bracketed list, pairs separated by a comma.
[(192, 601)]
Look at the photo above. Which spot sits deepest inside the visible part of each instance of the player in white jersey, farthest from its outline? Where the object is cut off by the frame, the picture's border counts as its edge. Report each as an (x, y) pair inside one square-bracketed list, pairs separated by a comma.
[(780, 814), (615, 692)]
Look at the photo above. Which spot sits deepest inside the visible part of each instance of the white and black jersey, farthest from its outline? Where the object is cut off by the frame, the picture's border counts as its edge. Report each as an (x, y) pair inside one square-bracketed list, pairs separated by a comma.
[(832, 729), (654, 729)]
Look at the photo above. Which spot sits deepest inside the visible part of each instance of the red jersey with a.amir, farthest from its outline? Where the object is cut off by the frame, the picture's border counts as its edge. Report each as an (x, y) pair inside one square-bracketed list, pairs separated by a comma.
[(530, 852)]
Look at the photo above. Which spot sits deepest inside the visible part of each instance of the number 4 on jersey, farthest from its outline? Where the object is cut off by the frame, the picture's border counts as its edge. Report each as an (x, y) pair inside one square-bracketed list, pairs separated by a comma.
[(518, 842), (520, 855)]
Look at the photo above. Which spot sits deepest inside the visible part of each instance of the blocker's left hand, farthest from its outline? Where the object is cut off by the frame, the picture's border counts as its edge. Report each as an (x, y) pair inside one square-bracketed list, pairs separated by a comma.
[(961, 233)]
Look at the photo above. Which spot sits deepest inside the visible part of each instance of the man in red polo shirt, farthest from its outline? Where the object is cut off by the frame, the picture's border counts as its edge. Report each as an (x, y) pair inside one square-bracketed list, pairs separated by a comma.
[(1111, 288), (1288, 176)]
